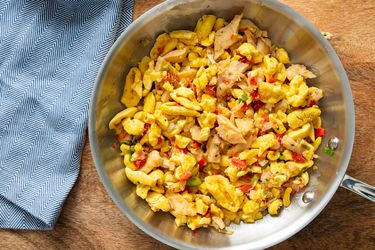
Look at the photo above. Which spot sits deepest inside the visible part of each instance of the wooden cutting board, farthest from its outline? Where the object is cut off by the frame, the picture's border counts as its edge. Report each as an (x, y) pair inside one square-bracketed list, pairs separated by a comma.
[(90, 220)]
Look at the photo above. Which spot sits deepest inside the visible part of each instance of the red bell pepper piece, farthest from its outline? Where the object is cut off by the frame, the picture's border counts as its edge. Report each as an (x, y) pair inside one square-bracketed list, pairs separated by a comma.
[(239, 163), (320, 132), (298, 158)]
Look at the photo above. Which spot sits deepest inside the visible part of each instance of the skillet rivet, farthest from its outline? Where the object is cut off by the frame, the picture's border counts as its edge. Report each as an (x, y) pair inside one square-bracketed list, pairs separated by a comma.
[(308, 197), (333, 143)]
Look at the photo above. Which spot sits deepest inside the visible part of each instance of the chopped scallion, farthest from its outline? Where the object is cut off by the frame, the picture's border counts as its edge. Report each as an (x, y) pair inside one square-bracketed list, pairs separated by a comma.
[(328, 151)]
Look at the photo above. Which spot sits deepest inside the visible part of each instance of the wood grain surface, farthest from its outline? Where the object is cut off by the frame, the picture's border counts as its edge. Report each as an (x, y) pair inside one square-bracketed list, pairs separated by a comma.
[(90, 220)]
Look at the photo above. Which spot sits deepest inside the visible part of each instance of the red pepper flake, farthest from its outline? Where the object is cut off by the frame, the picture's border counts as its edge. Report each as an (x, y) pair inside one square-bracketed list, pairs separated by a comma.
[(265, 118), (142, 156), (217, 111), (257, 105), (235, 155), (279, 137), (139, 163), (121, 136), (239, 163), (160, 50), (263, 156), (160, 140), (243, 59), (202, 162), (255, 95), (174, 80), (187, 188), (168, 153), (261, 132), (233, 37), (195, 145), (313, 102), (208, 213), (185, 176), (194, 88), (226, 81), (211, 90), (253, 81), (113, 145), (320, 132), (245, 107), (146, 149), (184, 150), (271, 79), (195, 232), (298, 158), (245, 188), (146, 128), (226, 97)]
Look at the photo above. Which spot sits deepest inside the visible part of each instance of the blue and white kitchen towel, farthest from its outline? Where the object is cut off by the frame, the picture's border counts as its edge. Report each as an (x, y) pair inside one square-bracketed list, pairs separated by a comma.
[(50, 53)]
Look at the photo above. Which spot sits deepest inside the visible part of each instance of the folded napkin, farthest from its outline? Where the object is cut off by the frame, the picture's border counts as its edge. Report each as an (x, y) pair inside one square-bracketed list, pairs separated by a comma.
[(50, 53)]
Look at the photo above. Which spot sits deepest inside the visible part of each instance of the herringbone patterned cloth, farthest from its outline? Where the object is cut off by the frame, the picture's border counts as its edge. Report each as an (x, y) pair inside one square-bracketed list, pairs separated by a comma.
[(50, 53)]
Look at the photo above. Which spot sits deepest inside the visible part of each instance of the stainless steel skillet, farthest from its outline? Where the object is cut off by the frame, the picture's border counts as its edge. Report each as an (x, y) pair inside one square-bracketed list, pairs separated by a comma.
[(305, 44)]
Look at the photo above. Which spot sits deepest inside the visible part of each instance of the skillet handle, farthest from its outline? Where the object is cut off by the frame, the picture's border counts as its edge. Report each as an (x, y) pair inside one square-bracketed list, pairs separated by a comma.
[(359, 187)]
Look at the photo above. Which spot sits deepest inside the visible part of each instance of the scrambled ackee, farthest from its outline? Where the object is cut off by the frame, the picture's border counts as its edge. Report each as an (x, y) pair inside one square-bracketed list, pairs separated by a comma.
[(219, 126)]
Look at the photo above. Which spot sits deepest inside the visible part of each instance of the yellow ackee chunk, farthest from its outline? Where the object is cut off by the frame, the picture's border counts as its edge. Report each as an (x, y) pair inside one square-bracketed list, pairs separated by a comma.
[(133, 88), (273, 155), (215, 211), (224, 161), (139, 177), (128, 163), (220, 22), (286, 197), (129, 112), (183, 34), (170, 108), (198, 221), (182, 141), (208, 103), (300, 133), (149, 103), (300, 117), (201, 207), (186, 162), (297, 92), (232, 173), (317, 143), (209, 40), (248, 154), (250, 207), (144, 64), (279, 126), (142, 191), (168, 87), (296, 168), (271, 64), (153, 135), (264, 142), (148, 78), (207, 119), (161, 120), (144, 117), (224, 192), (162, 46), (282, 56), (133, 126), (204, 26), (158, 202), (274, 207), (270, 93), (250, 52)]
